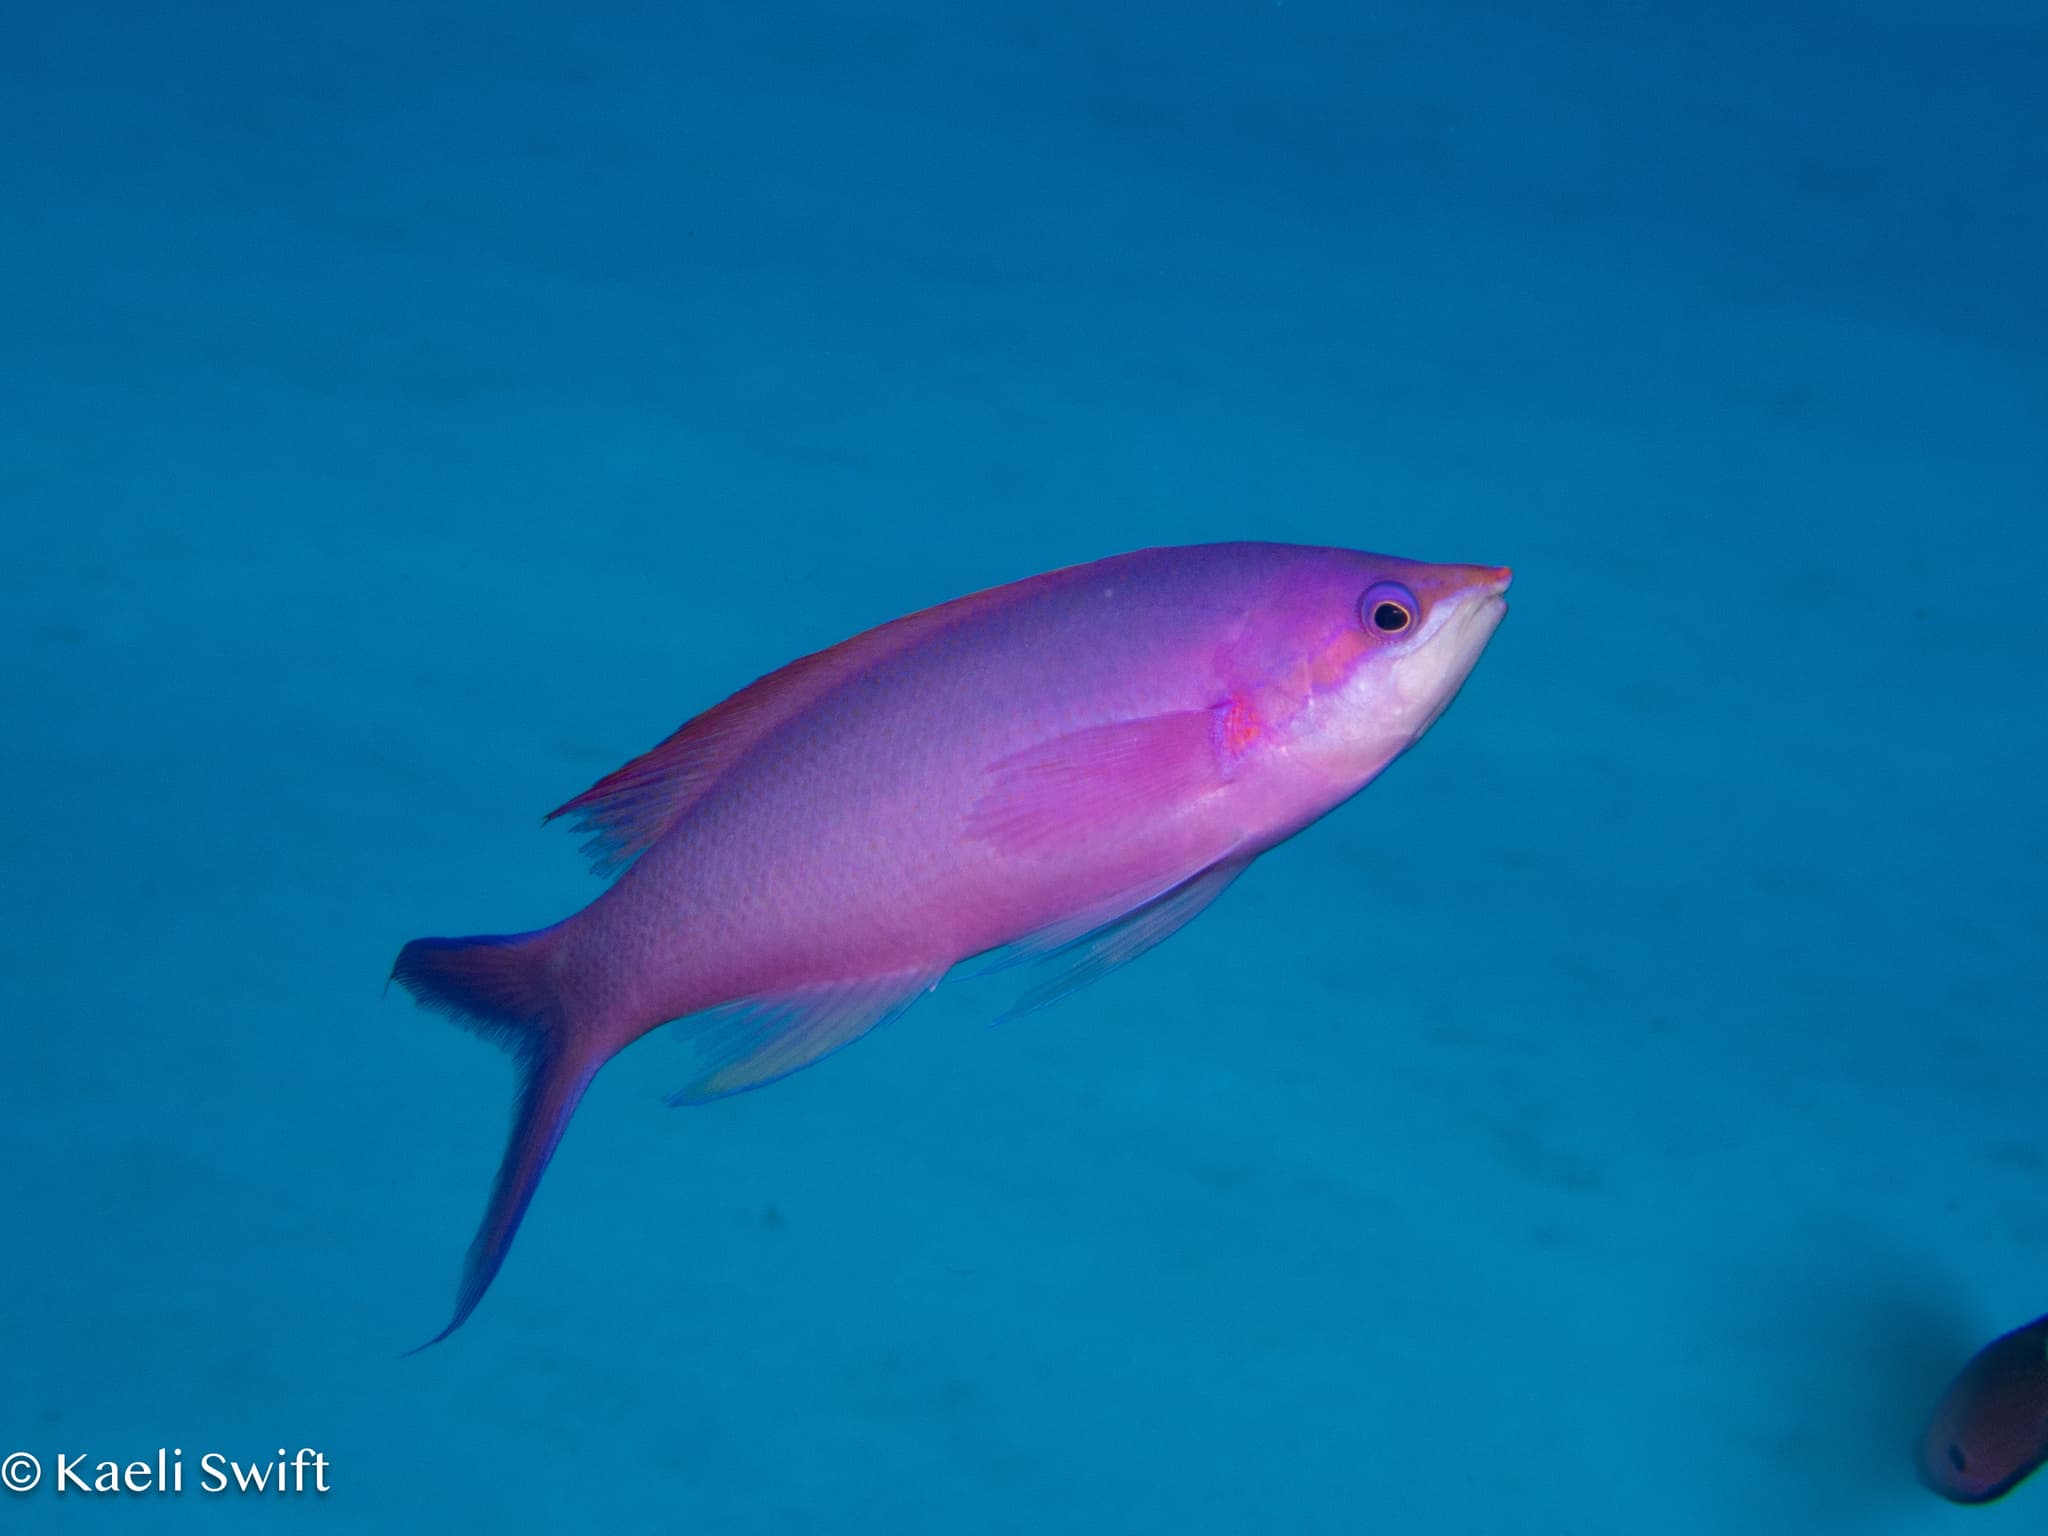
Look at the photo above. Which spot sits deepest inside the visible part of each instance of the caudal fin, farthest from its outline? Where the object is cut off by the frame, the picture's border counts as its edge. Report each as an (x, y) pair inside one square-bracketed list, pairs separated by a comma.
[(498, 986)]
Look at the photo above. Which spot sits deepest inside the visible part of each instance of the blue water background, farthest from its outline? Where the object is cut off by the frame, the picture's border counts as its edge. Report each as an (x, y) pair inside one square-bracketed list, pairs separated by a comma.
[(1619, 1120)]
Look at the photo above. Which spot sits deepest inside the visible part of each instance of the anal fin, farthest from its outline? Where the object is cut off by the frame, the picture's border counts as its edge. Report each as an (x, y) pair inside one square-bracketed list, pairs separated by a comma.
[(752, 1042)]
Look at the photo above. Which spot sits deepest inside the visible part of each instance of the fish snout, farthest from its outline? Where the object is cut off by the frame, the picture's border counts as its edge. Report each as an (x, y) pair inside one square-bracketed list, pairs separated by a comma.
[(1481, 580), (1467, 589), (1461, 584)]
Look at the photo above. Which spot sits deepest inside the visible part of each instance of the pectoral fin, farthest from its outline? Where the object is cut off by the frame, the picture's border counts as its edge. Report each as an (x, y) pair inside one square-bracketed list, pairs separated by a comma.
[(1100, 782), (1068, 956)]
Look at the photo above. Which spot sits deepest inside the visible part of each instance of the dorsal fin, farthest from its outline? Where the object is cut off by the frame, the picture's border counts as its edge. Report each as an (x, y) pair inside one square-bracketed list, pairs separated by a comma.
[(627, 810)]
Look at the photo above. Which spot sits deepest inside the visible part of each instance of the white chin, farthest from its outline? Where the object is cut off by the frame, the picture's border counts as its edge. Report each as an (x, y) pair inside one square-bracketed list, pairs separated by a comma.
[(1428, 678)]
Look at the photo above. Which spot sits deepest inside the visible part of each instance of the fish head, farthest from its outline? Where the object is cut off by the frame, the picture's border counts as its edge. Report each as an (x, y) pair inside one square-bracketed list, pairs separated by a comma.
[(1365, 652)]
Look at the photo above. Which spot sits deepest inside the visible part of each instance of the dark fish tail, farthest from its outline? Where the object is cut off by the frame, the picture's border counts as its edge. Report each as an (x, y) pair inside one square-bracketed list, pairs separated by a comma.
[(499, 986)]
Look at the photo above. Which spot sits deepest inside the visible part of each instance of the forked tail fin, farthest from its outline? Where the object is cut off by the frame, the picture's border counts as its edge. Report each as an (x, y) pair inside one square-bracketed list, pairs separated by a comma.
[(498, 986)]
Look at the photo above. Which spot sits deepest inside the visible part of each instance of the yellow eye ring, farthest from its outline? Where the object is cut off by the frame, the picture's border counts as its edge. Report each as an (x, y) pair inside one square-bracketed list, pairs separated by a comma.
[(1388, 609)]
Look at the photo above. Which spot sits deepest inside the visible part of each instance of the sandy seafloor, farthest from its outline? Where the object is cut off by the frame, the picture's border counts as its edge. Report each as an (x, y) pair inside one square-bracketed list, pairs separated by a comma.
[(1620, 1120)]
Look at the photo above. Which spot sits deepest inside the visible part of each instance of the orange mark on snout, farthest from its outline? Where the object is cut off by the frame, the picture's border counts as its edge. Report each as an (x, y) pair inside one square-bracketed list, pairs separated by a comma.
[(1496, 579)]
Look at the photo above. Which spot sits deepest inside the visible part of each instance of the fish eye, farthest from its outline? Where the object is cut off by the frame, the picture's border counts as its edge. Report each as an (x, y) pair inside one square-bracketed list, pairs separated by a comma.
[(1388, 609)]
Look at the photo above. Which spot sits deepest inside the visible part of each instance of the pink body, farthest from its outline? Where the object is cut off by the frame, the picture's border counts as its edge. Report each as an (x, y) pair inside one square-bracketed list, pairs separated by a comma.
[(1074, 764)]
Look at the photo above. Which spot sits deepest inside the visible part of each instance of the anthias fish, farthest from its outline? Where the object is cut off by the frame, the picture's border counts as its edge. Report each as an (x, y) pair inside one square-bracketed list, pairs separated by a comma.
[(1989, 1432), (1063, 771)]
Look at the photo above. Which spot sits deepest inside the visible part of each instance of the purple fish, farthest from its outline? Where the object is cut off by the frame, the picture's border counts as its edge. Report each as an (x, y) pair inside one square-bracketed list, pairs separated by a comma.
[(1990, 1431), (1064, 771)]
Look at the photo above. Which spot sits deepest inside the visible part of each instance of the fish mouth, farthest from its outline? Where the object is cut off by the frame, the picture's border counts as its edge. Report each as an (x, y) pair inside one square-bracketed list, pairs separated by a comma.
[(1487, 591), (1491, 590), (1469, 590), (1483, 599)]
